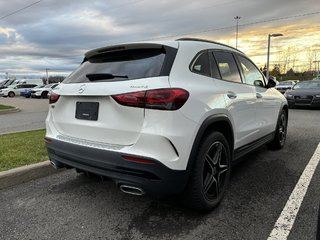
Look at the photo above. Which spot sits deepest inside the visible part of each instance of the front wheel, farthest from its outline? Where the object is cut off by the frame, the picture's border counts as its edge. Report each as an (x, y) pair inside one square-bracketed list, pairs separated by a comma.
[(11, 94), (210, 174), (281, 132)]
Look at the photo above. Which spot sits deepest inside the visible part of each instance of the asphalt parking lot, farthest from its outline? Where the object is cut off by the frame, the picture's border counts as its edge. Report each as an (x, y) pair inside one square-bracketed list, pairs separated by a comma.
[(72, 206), (32, 115)]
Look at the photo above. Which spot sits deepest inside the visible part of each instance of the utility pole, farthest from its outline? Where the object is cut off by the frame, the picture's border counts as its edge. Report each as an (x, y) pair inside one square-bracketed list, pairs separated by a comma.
[(237, 18)]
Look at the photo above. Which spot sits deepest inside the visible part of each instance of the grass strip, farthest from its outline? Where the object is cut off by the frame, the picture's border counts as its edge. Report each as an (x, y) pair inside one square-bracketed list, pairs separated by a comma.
[(5, 107), (20, 149)]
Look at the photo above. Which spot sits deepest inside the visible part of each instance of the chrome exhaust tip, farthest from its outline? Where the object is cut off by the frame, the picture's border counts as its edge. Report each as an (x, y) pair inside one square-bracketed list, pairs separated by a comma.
[(53, 165), (56, 165), (132, 190)]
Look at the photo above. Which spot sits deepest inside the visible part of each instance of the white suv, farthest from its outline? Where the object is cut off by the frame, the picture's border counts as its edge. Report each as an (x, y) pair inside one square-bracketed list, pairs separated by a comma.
[(164, 117)]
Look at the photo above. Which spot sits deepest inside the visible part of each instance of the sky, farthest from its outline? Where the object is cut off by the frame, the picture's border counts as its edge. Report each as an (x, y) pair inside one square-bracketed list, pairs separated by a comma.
[(55, 34)]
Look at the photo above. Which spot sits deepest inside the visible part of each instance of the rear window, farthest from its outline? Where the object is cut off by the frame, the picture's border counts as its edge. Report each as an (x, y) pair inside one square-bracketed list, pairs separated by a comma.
[(121, 66)]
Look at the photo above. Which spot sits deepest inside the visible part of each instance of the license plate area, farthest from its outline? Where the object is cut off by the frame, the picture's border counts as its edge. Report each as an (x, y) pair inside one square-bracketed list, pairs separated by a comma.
[(87, 110)]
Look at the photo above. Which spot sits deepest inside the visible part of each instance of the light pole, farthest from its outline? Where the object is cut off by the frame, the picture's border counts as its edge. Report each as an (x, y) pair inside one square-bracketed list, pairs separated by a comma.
[(237, 29), (268, 54)]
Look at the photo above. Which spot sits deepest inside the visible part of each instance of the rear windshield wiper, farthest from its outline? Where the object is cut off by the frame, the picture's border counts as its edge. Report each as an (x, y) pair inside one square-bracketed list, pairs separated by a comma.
[(103, 76)]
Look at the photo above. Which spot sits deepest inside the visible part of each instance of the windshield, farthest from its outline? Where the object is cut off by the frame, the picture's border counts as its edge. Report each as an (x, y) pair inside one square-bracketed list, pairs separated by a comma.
[(307, 85), (120, 66), (8, 83)]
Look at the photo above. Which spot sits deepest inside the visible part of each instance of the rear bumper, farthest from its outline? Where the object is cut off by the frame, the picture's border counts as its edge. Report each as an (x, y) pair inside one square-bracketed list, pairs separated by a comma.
[(154, 179)]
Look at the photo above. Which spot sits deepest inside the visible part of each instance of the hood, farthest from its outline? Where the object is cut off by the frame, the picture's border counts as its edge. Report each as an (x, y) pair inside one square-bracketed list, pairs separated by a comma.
[(303, 91)]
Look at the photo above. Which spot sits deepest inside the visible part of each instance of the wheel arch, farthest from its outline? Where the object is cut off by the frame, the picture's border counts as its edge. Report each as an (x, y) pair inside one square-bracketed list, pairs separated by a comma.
[(220, 123), (44, 93)]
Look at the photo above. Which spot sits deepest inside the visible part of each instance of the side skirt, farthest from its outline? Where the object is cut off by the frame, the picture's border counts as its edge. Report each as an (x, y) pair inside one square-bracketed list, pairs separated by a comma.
[(244, 150)]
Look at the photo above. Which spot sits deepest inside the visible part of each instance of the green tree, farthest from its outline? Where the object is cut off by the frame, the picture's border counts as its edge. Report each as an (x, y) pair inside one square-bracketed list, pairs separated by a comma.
[(290, 72)]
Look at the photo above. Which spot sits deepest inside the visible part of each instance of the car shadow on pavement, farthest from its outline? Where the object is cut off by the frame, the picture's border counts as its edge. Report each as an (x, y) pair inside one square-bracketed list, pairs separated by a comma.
[(318, 228)]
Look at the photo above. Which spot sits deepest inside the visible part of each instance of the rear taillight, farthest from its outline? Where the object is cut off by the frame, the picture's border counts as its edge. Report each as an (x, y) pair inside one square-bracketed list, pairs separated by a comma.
[(162, 99), (53, 98)]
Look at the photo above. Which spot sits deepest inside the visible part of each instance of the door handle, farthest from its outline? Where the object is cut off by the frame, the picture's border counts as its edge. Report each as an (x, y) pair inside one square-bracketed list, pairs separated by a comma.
[(258, 95), (231, 95)]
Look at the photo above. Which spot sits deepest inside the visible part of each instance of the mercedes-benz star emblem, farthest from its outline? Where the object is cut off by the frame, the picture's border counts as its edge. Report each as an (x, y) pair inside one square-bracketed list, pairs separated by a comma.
[(82, 88)]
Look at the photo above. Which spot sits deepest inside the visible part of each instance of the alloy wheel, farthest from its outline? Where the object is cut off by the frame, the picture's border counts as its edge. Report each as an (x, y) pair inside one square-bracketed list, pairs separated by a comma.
[(215, 170), (282, 128)]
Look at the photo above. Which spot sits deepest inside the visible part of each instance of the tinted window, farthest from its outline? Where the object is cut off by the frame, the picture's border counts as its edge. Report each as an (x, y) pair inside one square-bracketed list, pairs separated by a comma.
[(202, 65), (214, 67), (21, 86), (251, 74), (227, 66), (120, 65)]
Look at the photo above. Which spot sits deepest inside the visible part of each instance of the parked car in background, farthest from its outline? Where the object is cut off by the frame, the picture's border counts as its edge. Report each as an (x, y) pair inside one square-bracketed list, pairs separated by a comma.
[(304, 94), (38, 82), (26, 93), (6, 83), (285, 85), (164, 117), (14, 90), (42, 92)]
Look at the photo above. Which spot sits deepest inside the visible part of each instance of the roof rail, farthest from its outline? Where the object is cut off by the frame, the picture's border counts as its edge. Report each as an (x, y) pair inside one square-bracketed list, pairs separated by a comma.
[(208, 41)]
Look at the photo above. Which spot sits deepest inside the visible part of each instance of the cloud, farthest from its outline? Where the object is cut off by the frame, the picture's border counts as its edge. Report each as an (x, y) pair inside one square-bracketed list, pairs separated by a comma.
[(58, 33)]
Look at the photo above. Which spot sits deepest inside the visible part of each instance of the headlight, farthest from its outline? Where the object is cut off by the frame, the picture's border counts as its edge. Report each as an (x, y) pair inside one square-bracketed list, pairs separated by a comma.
[(317, 96), (288, 95)]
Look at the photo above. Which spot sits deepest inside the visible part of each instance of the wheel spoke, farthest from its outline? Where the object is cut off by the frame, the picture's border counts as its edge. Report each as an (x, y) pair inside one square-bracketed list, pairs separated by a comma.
[(224, 171), (217, 155), (222, 166), (210, 162), (209, 180)]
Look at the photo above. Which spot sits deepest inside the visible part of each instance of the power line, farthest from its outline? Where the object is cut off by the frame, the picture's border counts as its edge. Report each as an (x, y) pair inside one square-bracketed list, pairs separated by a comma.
[(21, 9), (231, 27)]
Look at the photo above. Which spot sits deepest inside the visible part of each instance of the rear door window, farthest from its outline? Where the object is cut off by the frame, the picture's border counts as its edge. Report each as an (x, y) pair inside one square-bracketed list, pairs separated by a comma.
[(121, 65), (227, 66)]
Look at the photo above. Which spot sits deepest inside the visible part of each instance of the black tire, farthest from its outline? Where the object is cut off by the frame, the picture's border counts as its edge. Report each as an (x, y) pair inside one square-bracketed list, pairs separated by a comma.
[(210, 174), (281, 132), (11, 94), (44, 94)]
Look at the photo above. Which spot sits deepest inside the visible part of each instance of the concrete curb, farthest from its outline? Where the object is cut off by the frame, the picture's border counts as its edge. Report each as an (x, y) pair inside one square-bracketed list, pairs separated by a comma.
[(27, 173), (12, 110)]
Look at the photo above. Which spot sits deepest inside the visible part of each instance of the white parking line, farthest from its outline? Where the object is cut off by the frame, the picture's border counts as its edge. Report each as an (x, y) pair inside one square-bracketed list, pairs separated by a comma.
[(288, 215)]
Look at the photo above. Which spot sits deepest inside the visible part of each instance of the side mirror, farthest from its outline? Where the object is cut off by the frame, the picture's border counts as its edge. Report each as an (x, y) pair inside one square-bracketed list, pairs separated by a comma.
[(271, 83), (258, 83)]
